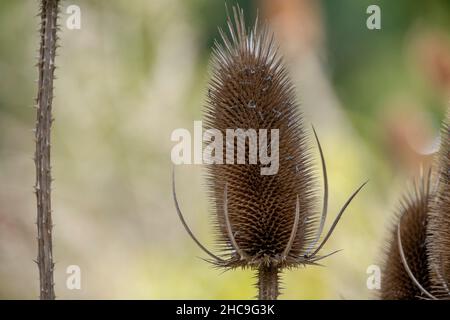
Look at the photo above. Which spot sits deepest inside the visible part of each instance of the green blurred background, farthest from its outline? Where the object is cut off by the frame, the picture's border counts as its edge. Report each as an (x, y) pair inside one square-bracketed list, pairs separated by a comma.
[(136, 70)]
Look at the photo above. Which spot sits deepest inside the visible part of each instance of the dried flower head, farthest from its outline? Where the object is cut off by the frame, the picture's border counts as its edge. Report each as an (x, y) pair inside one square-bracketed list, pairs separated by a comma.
[(438, 243), (263, 222), (418, 260)]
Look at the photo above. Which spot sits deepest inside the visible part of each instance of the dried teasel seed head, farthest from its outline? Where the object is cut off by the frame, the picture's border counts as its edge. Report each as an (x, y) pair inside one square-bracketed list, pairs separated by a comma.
[(438, 243), (264, 196), (250, 89), (406, 251)]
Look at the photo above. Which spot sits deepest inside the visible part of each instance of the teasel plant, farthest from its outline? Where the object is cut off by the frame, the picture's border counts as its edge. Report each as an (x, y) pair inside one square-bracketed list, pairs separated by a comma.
[(405, 271), (49, 10), (417, 258), (438, 242), (267, 223)]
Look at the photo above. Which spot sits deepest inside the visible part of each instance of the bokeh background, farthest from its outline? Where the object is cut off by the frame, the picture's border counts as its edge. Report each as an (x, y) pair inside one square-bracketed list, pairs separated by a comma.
[(136, 70)]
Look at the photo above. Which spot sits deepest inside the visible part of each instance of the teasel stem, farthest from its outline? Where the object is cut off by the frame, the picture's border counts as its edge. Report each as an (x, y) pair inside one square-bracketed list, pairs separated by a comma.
[(46, 68), (268, 282)]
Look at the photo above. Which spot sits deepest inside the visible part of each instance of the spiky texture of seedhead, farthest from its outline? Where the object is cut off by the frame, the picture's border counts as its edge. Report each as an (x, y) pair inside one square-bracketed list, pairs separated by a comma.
[(46, 67), (263, 220), (250, 89), (396, 283), (439, 219)]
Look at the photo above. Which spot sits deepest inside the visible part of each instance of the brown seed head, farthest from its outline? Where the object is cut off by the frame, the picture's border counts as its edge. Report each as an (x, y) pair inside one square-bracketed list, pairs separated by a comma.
[(439, 219)]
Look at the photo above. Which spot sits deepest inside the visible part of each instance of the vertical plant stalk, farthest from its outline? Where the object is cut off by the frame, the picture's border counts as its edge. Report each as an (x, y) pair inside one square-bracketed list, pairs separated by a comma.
[(268, 282), (46, 68)]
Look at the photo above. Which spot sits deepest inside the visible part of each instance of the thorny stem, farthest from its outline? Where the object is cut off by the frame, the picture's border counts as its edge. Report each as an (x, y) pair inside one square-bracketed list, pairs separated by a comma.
[(46, 68), (268, 282)]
